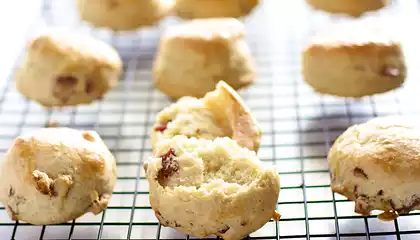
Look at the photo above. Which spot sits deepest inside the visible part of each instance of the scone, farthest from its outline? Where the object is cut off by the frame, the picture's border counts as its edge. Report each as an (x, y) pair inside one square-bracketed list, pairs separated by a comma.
[(377, 165), (353, 8), (221, 113), (196, 55), (63, 69), (190, 9), (122, 15), (203, 187), (54, 175), (354, 59)]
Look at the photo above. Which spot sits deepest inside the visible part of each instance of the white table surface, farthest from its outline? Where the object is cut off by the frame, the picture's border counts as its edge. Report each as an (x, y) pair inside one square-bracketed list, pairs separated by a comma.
[(15, 19)]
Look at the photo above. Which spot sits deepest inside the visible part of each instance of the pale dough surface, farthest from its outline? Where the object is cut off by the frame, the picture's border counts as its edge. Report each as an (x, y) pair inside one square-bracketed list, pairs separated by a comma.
[(354, 59), (62, 68), (377, 165), (194, 56), (55, 175)]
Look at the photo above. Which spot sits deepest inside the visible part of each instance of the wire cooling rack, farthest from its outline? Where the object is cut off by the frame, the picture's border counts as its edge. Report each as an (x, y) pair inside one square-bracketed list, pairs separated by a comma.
[(299, 127)]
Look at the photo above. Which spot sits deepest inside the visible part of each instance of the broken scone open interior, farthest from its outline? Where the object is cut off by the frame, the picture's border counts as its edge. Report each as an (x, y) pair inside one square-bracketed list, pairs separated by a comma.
[(214, 178), (220, 113)]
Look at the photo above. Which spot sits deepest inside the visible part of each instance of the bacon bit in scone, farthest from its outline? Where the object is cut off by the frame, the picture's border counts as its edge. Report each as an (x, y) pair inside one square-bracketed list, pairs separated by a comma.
[(392, 72), (64, 87), (88, 137), (161, 127), (362, 206), (358, 172), (169, 167), (67, 81)]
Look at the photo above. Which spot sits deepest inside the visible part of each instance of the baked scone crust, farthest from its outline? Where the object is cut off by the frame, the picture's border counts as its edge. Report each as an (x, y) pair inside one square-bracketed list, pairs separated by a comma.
[(221, 113), (203, 187), (210, 50), (55, 175), (64, 69), (123, 15), (377, 165), (353, 60), (191, 9), (353, 8)]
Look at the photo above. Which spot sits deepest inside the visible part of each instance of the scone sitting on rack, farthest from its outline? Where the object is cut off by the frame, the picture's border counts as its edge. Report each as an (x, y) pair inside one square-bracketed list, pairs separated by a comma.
[(221, 113), (353, 8), (54, 175), (63, 69), (122, 15), (196, 55), (190, 9), (354, 59), (377, 165), (203, 187)]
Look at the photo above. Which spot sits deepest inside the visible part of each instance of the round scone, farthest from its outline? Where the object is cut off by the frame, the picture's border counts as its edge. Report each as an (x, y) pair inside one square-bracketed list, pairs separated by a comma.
[(203, 187), (210, 50), (122, 15), (190, 9), (377, 165), (353, 8), (64, 69), (353, 60), (221, 113), (54, 175)]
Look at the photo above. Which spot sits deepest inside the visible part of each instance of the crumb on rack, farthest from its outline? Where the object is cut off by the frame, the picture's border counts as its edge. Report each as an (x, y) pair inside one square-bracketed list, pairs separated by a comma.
[(276, 216), (52, 123)]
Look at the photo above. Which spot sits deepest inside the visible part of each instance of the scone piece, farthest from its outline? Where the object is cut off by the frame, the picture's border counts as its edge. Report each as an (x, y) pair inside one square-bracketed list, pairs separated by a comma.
[(377, 165), (54, 175), (221, 113), (63, 69), (353, 8), (193, 57), (123, 15), (190, 9), (203, 187), (353, 59)]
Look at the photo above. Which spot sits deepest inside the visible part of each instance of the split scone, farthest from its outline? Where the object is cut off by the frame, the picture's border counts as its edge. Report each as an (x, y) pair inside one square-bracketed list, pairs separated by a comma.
[(190, 9), (353, 8), (203, 187), (194, 56), (54, 175), (62, 68), (377, 165), (353, 59), (221, 113), (122, 15)]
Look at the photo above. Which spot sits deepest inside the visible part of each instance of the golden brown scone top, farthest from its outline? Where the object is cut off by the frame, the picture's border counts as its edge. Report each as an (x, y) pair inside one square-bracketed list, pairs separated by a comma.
[(391, 144), (73, 45), (190, 9)]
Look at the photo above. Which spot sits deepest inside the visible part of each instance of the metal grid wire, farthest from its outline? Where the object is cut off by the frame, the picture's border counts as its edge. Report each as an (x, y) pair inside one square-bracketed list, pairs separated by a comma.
[(298, 124)]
